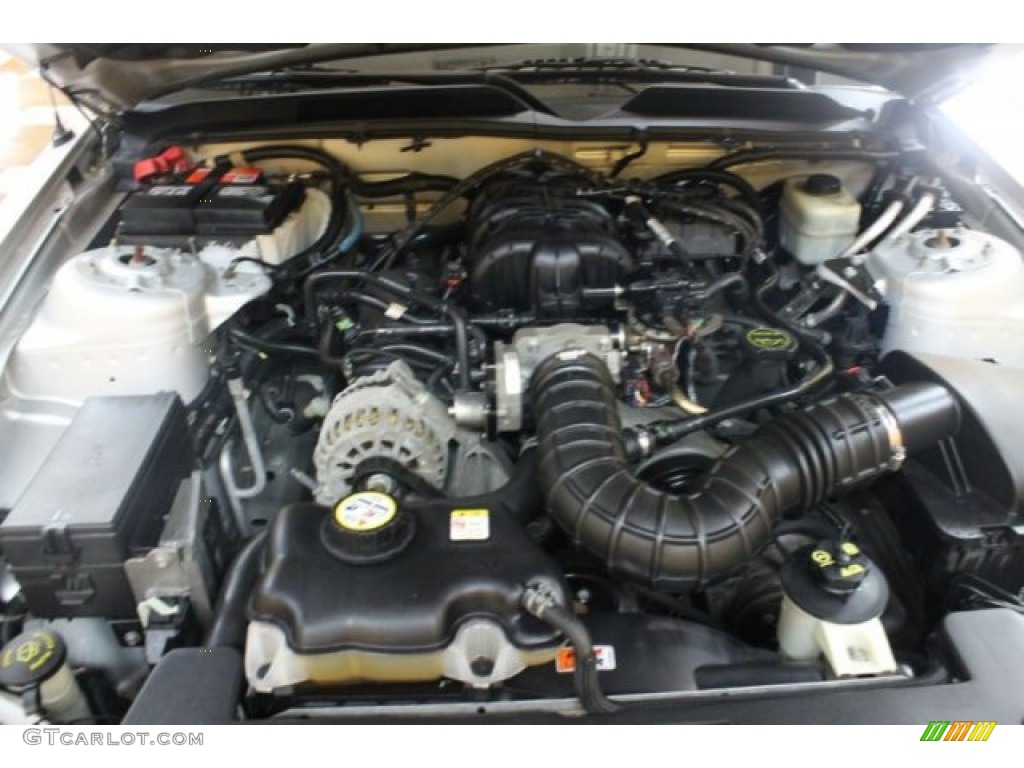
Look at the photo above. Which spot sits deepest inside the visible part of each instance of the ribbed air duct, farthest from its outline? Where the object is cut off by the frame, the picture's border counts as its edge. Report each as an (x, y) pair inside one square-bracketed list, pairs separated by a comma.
[(673, 541)]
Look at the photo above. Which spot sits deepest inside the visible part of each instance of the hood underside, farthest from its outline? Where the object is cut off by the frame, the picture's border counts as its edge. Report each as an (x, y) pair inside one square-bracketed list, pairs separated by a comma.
[(125, 74)]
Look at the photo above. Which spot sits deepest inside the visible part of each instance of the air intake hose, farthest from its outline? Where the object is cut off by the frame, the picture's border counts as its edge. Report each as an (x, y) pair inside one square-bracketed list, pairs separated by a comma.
[(672, 542)]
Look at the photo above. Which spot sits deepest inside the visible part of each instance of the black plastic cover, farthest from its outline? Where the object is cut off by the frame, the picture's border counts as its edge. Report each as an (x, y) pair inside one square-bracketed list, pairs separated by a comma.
[(651, 654), (989, 441), (535, 247), (190, 686), (968, 492), (739, 104), (412, 602), (99, 498), (225, 209)]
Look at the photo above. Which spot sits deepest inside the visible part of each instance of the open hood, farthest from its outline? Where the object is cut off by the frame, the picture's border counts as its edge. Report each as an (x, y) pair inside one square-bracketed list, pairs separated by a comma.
[(125, 74)]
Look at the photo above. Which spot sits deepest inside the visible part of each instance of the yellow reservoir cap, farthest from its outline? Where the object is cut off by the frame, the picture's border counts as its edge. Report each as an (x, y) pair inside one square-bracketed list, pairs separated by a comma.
[(365, 511)]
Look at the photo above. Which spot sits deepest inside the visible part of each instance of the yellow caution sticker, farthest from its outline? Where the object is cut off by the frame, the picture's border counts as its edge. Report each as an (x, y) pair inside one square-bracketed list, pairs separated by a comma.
[(470, 525)]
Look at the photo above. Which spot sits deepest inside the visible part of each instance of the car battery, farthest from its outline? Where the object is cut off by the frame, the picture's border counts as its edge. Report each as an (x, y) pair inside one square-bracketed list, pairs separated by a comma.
[(99, 498), (209, 208)]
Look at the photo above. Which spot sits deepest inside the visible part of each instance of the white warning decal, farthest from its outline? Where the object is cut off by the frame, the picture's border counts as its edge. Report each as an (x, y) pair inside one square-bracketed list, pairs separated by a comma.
[(470, 525)]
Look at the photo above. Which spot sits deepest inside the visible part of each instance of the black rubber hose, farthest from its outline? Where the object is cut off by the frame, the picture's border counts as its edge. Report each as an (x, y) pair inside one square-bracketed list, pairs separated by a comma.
[(455, 314), (661, 433), (229, 623), (744, 156), (674, 542), (585, 678), (746, 230), (427, 330), (324, 349), (384, 332), (420, 359), (410, 183), (377, 304), (339, 179), (269, 347), (729, 280), (719, 177)]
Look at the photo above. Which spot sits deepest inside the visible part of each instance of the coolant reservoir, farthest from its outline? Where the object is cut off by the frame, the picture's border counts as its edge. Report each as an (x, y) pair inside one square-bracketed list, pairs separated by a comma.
[(819, 218), (955, 292)]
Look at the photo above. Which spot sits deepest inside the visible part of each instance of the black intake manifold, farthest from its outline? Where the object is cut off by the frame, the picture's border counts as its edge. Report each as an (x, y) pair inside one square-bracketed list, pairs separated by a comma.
[(672, 541)]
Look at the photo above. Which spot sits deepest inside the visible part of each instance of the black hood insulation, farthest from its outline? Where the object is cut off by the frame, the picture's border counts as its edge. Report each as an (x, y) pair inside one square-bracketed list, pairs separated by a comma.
[(677, 541)]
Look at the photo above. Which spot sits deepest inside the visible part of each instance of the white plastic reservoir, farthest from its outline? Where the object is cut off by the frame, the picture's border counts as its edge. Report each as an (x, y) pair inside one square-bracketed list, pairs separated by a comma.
[(819, 218), (954, 292), (127, 320)]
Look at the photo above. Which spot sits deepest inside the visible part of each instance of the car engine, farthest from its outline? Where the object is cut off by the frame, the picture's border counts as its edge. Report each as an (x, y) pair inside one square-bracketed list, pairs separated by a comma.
[(537, 431)]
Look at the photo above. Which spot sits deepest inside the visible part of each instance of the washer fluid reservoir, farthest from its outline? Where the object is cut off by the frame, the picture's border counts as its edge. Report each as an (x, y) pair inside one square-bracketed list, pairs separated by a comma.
[(819, 218)]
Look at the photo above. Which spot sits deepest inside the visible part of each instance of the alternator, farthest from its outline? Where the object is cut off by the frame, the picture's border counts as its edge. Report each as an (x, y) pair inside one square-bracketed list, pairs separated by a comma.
[(390, 414)]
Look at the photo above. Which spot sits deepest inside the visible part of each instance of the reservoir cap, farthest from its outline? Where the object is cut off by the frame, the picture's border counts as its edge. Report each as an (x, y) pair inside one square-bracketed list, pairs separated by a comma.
[(367, 527), (822, 185), (30, 659), (767, 343), (835, 582)]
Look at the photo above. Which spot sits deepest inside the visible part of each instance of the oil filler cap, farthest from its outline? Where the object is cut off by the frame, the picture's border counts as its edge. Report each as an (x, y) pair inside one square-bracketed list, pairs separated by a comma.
[(367, 527), (30, 659), (766, 343)]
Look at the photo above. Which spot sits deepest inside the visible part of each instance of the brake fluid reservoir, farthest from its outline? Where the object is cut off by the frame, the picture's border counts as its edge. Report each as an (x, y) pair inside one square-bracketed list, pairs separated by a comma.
[(833, 598), (819, 218), (117, 321), (952, 292)]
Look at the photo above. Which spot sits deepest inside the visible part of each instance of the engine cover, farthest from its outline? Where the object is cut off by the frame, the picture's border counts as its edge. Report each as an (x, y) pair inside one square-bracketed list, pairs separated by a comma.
[(536, 248), (377, 592)]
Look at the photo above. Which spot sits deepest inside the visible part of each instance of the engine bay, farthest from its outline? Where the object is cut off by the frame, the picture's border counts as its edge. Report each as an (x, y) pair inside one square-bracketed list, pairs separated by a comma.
[(419, 429)]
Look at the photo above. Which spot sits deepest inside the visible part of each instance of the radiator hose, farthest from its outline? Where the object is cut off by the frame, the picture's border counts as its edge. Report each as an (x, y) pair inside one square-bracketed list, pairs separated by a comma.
[(678, 541)]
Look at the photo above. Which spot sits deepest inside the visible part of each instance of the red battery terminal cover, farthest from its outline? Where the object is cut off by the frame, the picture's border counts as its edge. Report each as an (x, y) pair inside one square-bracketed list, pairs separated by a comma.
[(171, 160), (233, 176)]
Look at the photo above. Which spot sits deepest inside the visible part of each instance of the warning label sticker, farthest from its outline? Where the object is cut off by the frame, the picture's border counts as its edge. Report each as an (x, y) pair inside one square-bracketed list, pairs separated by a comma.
[(565, 661), (470, 525)]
